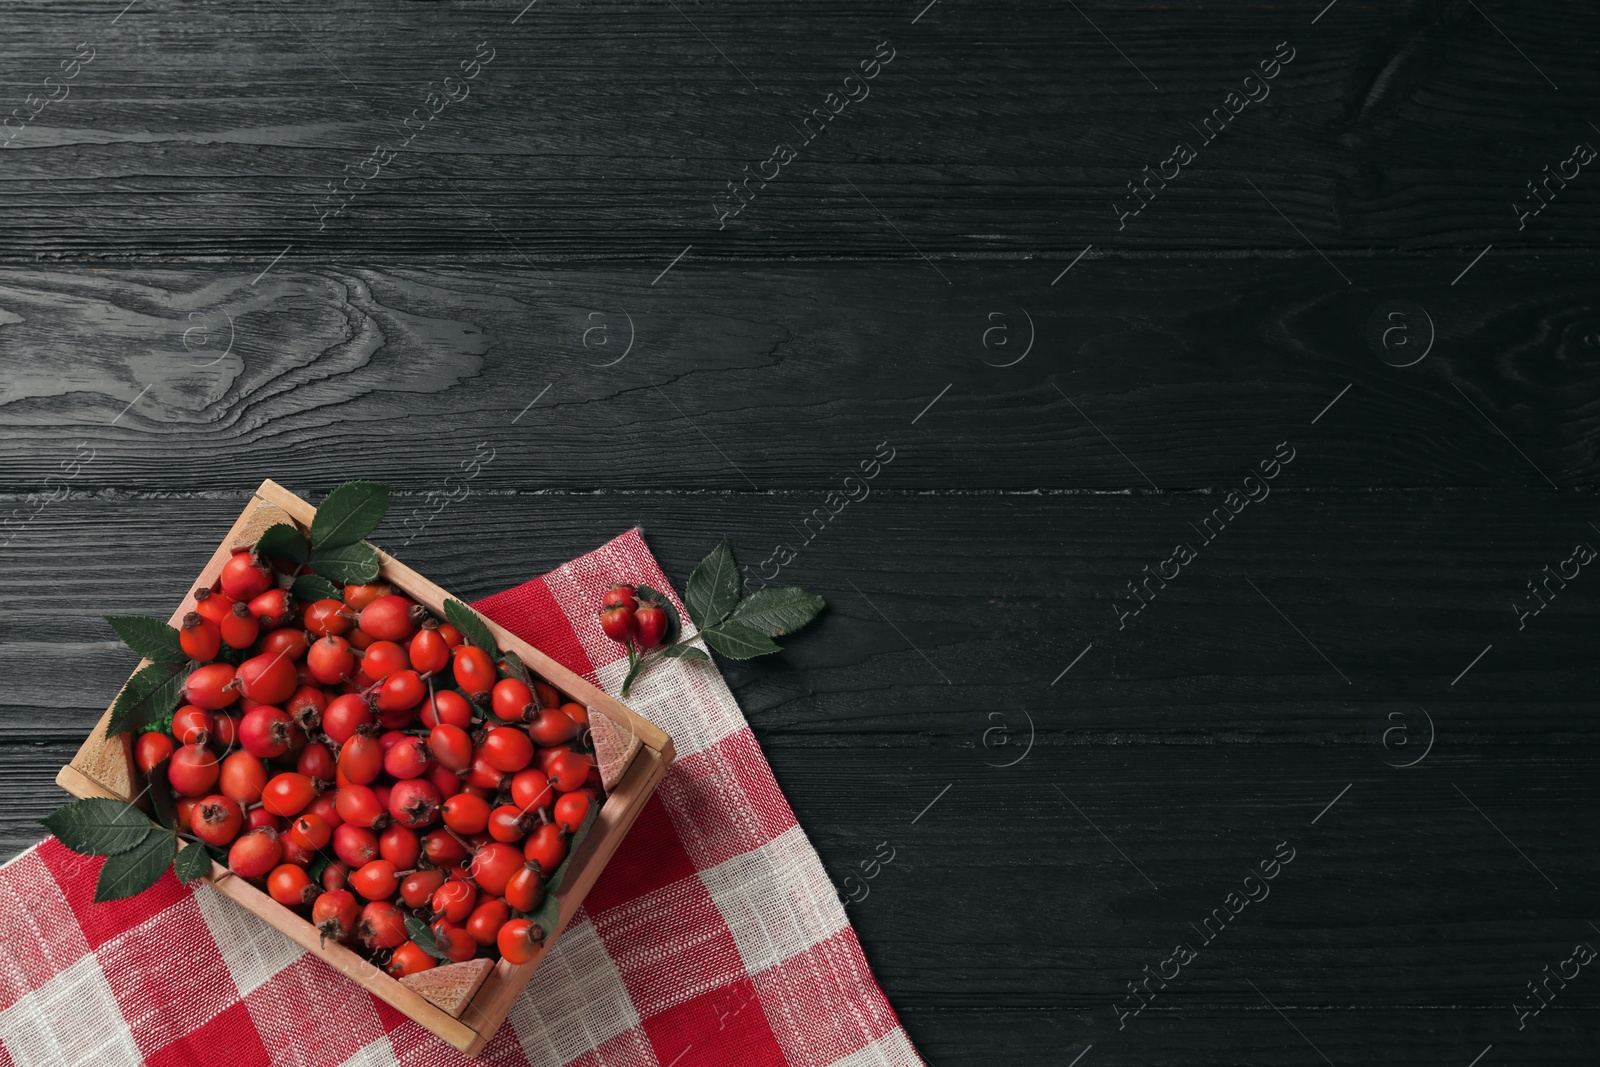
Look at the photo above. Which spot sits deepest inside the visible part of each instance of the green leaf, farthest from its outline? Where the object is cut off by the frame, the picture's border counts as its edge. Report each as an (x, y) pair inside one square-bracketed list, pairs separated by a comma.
[(555, 881), (518, 669), (349, 513), (136, 870), (684, 652), (318, 866), (713, 588), (353, 564), (314, 587), (283, 541), (546, 916), (151, 638), (193, 863), (98, 827), (424, 938), (776, 612), (737, 641), (149, 694), (470, 623), (674, 624)]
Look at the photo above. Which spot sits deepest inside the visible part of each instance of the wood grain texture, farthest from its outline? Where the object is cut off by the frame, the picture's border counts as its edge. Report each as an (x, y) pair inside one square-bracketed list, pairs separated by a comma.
[(1178, 374), (612, 129)]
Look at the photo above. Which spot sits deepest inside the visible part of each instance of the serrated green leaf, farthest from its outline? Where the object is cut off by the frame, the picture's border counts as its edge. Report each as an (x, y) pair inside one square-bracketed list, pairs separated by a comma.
[(137, 869), (776, 612), (713, 588), (193, 863), (98, 827), (318, 866), (556, 880), (738, 641), (471, 625), (283, 541), (349, 513), (151, 638), (423, 936), (517, 669), (149, 694), (684, 652), (352, 564), (314, 587)]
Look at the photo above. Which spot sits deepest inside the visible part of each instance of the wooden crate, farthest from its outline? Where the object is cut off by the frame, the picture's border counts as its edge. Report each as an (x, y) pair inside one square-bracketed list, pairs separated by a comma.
[(464, 1003)]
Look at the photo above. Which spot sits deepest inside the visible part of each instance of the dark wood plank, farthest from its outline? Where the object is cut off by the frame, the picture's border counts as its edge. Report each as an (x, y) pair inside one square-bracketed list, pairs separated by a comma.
[(1181, 373), (1001, 128)]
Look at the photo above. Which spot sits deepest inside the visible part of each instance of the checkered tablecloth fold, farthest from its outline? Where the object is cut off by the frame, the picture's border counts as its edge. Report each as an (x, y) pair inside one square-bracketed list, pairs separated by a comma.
[(714, 937)]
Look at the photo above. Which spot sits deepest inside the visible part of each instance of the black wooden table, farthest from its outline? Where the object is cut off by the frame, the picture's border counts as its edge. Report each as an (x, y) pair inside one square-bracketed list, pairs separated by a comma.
[(1216, 652)]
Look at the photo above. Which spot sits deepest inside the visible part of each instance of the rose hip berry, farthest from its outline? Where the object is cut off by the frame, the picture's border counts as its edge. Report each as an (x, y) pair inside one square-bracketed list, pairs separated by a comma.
[(410, 959), (151, 749), (512, 700), (199, 637), (211, 687), (244, 576), (454, 900), (519, 940), (620, 596), (650, 624), (486, 920), (474, 672), (240, 629), (618, 623), (264, 732), (381, 925), (192, 771), (288, 794), (256, 853), (508, 749), (355, 845), (494, 865), (268, 678), (414, 803), (392, 618), (216, 820), (525, 890), (330, 660), (191, 725), (335, 915)]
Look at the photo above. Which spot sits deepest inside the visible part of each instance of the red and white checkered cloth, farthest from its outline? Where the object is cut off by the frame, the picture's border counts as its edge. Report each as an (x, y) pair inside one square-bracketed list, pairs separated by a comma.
[(714, 936)]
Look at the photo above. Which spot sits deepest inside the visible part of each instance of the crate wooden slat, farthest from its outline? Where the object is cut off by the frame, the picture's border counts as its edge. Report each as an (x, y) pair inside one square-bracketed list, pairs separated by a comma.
[(464, 1004)]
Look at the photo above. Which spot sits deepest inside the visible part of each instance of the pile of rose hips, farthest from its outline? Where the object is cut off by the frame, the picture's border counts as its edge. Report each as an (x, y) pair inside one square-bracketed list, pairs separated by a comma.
[(334, 764), (625, 617)]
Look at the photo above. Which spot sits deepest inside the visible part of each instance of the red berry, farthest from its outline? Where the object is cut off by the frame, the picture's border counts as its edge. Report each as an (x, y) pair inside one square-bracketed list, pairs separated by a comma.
[(151, 748), (451, 746), (288, 794), (485, 775), (200, 638), (291, 642), (392, 617), (265, 732), (191, 725), (259, 818), (192, 771), (466, 814), (451, 635), (509, 824), (361, 758), (446, 781), (354, 844), (382, 659), (513, 700), (486, 919), (381, 925), (310, 832), (291, 886), (410, 959), (401, 846), (571, 810), (530, 789), (474, 671), (414, 802), (447, 706), (268, 678), (453, 940), (330, 660), (620, 596), (243, 776), (216, 820), (359, 596), (359, 806), (494, 865), (519, 940), (428, 651), (618, 623), (418, 887), (244, 576), (335, 915), (335, 875), (407, 758), (547, 847), (273, 608), (240, 629), (212, 605), (569, 770), (525, 890), (442, 848), (316, 761), (508, 749), (326, 808), (375, 880), (553, 727), (343, 715), (402, 691), (325, 617), (454, 900), (256, 853), (306, 705), (211, 687), (650, 624)]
